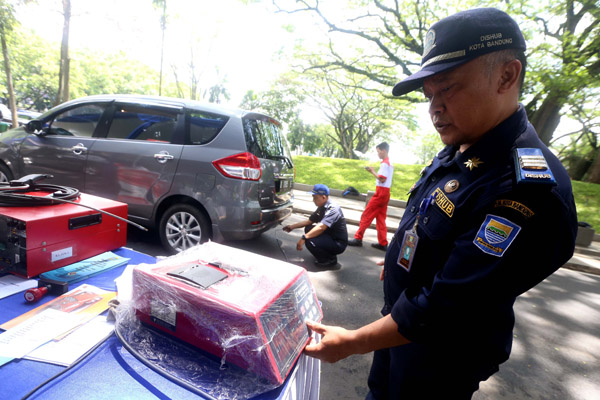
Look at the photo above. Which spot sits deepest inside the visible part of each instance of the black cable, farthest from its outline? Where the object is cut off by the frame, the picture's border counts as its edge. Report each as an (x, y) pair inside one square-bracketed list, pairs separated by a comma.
[(87, 353), (11, 196), (159, 370), (16, 194), (95, 209), (280, 245)]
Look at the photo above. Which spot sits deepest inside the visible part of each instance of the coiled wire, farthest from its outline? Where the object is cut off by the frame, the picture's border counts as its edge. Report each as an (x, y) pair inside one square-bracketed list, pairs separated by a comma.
[(21, 196), (17, 193)]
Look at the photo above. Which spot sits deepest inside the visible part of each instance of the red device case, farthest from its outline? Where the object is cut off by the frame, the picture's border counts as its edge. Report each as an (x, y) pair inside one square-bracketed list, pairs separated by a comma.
[(43, 238), (255, 320)]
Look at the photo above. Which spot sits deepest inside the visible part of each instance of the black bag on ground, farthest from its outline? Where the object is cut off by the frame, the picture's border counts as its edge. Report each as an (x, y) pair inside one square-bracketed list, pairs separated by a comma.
[(350, 190)]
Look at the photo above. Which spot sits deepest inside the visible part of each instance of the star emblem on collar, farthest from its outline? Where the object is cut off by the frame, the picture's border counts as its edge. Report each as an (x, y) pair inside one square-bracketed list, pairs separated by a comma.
[(473, 163)]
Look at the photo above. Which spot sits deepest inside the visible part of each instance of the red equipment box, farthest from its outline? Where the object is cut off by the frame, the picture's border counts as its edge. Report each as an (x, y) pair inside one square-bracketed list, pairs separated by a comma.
[(247, 309), (39, 239)]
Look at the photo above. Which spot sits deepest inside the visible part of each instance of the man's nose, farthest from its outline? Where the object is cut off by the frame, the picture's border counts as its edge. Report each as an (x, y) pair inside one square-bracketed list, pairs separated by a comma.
[(436, 105)]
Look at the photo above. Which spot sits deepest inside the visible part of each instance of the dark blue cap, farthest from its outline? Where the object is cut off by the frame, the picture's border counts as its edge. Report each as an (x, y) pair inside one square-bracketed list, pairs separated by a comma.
[(319, 188), (460, 38)]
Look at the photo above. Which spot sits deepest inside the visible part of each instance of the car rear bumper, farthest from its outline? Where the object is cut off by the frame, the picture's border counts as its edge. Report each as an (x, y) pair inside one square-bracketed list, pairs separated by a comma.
[(269, 218)]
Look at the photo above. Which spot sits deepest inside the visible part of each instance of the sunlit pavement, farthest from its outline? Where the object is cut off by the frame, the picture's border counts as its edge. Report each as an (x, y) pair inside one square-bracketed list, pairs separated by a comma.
[(556, 349)]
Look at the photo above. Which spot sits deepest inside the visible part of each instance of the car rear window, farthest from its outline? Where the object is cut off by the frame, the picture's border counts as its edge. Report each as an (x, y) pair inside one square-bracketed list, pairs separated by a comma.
[(204, 126), (264, 138), (135, 123)]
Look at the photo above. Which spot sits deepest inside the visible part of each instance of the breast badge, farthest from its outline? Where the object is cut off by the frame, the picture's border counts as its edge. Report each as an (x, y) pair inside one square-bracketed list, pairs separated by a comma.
[(451, 186)]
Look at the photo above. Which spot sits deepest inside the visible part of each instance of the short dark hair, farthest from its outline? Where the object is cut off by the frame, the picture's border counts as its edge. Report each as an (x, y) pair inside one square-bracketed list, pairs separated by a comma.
[(383, 146), (492, 60)]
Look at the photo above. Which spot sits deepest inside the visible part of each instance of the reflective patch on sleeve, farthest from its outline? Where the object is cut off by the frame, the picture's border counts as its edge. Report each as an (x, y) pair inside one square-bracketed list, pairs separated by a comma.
[(495, 235)]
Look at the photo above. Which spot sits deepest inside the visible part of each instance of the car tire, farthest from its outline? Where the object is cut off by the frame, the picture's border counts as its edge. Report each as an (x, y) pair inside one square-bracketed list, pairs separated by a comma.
[(5, 174), (183, 226)]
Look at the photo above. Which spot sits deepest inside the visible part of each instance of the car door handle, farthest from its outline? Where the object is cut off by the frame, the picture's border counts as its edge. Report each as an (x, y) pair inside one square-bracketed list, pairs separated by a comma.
[(163, 157), (79, 148)]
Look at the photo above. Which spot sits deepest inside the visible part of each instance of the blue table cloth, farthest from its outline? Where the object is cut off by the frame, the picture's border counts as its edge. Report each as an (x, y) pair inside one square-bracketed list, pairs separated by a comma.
[(110, 371)]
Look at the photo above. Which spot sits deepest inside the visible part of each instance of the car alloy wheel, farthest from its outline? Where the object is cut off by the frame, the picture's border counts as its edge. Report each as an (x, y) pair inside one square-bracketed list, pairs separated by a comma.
[(182, 227)]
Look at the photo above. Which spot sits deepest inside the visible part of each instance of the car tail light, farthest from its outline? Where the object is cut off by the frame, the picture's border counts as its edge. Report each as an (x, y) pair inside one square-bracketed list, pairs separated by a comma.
[(239, 166)]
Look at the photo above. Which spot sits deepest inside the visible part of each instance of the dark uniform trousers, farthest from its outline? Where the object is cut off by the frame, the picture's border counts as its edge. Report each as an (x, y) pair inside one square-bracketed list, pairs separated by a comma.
[(485, 238), (324, 247), (413, 372)]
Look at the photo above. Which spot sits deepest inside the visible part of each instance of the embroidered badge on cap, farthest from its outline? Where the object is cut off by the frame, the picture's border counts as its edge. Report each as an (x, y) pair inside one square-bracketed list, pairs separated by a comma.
[(495, 235), (429, 42)]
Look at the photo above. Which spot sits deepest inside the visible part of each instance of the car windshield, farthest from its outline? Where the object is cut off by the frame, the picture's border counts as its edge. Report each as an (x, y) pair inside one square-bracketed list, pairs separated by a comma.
[(264, 139)]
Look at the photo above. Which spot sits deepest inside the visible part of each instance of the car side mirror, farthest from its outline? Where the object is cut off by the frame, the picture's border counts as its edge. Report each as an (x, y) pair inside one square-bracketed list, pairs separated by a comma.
[(34, 126)]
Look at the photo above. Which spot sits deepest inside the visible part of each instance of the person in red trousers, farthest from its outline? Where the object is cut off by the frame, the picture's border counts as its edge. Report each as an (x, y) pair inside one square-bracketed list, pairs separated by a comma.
[(377, 206)]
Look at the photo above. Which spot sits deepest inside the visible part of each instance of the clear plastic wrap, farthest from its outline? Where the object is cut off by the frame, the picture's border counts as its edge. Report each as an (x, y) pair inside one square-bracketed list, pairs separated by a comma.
[(245, 312)]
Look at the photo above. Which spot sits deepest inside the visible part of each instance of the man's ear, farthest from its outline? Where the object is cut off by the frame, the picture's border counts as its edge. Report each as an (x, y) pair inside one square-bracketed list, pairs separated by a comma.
[(510, 74)]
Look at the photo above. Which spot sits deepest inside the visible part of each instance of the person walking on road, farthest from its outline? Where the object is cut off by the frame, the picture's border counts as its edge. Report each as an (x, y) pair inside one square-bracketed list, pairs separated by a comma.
[(377, 206), (325, 232), (491, 217)]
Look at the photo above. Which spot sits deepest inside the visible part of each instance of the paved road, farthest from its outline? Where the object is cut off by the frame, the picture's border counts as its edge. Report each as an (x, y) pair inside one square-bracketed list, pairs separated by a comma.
[(556, 351)]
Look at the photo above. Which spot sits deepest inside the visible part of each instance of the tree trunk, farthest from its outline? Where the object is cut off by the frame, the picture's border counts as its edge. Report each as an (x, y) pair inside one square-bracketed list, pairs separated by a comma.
[(595, 170), (163, 26), (63, 75), (546, 118), (11, 92)]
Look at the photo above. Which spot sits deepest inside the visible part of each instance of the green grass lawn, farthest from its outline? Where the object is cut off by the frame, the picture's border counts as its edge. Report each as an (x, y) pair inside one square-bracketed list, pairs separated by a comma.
[(340, 173)]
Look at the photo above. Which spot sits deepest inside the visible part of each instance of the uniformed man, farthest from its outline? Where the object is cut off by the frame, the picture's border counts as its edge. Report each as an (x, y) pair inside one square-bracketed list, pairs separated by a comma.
[(490, 217), (377, 206), (325, 233)]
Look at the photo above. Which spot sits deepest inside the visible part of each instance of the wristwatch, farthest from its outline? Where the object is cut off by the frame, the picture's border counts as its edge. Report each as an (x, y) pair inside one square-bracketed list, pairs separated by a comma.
[(303, 237)]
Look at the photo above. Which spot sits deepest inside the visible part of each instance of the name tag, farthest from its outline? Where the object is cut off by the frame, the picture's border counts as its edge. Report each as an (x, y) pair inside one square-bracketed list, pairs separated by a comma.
[(407, 249)]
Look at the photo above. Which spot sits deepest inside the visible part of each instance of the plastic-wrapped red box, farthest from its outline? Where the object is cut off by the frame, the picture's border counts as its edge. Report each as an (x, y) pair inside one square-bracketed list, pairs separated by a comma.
[(247, 309)]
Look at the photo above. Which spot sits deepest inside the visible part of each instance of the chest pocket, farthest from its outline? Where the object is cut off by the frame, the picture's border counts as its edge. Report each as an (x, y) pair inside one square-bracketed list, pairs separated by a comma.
[(438, 221)]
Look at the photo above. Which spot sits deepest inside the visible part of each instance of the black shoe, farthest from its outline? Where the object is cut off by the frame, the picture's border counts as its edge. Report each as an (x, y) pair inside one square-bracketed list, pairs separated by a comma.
[(378, 246), (326, 263), (355, 242)]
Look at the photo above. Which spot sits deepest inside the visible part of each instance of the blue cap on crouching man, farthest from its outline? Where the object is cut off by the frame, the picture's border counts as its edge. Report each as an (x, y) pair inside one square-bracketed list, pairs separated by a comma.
[(319, 188), (460, 38)]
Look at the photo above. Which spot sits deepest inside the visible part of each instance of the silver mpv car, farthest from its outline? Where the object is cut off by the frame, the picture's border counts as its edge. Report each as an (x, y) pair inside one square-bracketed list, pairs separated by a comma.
[(192, 170)]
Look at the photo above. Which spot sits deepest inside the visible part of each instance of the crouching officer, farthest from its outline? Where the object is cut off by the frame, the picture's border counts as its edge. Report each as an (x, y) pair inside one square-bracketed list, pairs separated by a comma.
[(491, 217), (325, 233)]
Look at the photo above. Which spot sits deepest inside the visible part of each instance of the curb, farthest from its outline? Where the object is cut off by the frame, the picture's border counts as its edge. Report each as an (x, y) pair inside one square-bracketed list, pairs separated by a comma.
[(581, 268), (350, 221), (572, 264), (362, 196)]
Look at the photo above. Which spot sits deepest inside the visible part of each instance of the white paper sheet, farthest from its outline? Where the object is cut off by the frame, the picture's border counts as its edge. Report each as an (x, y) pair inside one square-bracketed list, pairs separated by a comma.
[(35, 331), (70, 348), (11, 284)]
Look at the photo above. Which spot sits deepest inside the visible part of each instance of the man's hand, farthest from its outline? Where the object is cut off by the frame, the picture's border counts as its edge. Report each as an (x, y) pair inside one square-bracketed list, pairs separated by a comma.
[(288, 228), (381, 263), (300, 244), (334, 345), (370, 169)]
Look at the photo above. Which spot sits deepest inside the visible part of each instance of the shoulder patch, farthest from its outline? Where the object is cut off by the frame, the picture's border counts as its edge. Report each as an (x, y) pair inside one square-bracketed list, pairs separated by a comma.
[(531, 167), (495, 235), (515, 205)]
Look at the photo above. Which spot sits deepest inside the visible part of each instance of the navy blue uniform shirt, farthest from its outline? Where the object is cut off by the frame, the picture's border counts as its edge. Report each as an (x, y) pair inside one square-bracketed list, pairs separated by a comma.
[(330, 215), (484, 241)]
